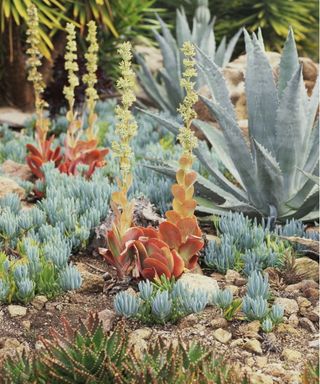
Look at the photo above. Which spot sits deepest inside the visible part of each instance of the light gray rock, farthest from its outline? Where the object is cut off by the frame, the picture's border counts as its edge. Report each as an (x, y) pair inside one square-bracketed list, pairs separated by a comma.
[(195, 281), (290, 306), (17, 310), (8, 185), (291, 355), (222, 335), (254, 346), (39, 302)]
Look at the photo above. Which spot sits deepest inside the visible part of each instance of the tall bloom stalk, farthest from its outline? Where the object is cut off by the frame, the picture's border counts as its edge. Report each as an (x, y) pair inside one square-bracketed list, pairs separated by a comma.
[(183, 203), (33, 64), (90, 78), (126, 129), (71, 66)]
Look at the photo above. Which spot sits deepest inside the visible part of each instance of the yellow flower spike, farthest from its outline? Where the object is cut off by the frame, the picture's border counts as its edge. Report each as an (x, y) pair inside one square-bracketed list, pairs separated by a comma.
[(126, 129), (90, 78), (71, 66), (183, 203), (33, 63)]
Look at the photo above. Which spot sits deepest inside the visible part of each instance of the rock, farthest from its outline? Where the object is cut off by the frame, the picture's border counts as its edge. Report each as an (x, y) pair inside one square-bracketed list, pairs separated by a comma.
[(197, 282), (303, 302), (291, 355), (10, 186), (188, 321), (8, 347), (309, 68), (261, 361), (313, 314), (302, 285), (14, 117), (292, 377), (26, 324), (275, 369), (107, 317), (286, 328), (307, 268), (240, 282), (231, 276), (137, 339), (254, 346), (219, 322), (17, 310), (293, 320), (222, 335), (315, 344), (91, 282), (39, 302), (12, 169), (233, 288), (260, 378), (312, 293), (236, 343), (307, 324), (250, 329), (290, 306)]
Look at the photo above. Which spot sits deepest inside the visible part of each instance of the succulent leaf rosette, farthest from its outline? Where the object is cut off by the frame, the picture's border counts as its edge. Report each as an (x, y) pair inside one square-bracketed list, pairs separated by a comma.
[(150, 253)]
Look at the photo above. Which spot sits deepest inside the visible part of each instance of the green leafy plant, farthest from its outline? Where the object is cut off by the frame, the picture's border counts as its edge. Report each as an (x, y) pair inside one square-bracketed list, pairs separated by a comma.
[(274, 17), (273, 174), (88, 355), (165, 92)]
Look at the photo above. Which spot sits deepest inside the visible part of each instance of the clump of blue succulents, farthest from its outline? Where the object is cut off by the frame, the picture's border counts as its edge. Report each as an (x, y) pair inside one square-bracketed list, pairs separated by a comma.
[(36, 244), (255, 303), (160, 303), (220, 256), (244, 246)]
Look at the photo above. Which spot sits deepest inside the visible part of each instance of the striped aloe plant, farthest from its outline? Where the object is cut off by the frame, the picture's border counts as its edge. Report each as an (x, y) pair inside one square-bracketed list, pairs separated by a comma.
[(276, 173), (165, 91)]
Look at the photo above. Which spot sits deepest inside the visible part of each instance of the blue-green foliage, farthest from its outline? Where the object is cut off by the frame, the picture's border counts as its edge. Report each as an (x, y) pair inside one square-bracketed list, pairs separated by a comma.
[(243, 246), (13, 145), (255, 303), (223, 298), (267, 325), (160, 303), (220, 256), (45, 236), (126, 305)]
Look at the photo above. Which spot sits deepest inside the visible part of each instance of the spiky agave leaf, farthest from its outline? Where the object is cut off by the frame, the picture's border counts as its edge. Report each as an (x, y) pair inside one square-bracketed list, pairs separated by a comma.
[(284, 139)]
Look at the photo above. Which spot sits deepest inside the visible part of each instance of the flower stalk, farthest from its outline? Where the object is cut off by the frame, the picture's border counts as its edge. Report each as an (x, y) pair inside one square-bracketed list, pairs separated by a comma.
[(34, 75), (90, 78), (183, 203), (71, 66), (126, 129)]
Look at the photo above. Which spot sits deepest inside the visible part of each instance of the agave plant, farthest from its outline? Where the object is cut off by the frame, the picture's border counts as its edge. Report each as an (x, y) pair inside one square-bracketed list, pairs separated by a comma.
[(275, 173), (166, 92)]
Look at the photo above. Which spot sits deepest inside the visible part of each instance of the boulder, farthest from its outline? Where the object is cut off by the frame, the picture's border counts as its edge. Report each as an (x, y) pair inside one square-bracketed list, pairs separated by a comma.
[(8, 186), (17, 310), (307, 268), (197, 282), (290, 306), (222, 335), (253, 346), (12, 169)]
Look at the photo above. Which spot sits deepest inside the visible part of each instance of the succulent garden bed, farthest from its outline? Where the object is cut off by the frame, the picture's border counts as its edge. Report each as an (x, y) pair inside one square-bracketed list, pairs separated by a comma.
[(172, 244)]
